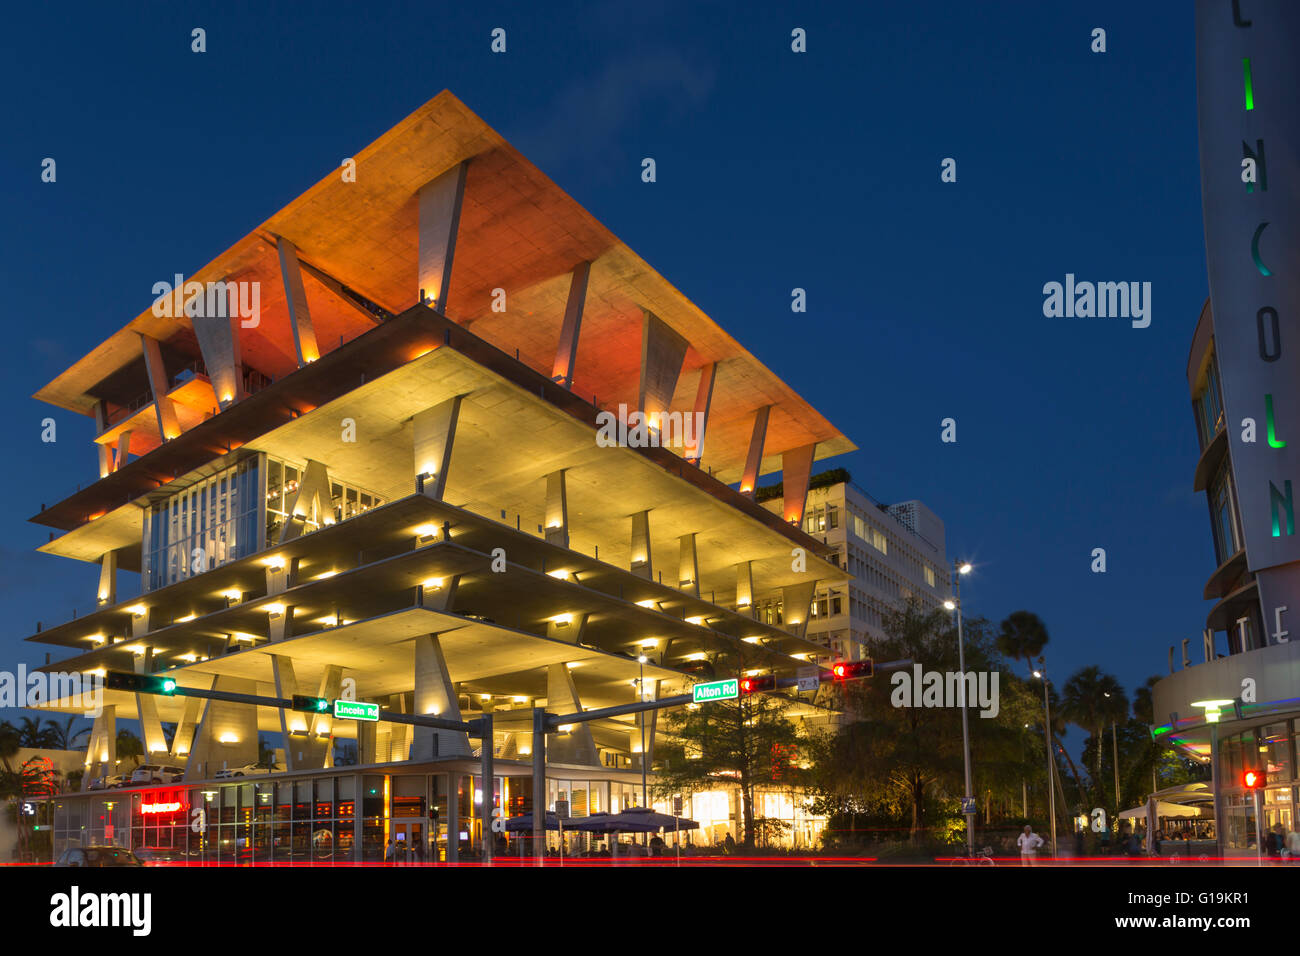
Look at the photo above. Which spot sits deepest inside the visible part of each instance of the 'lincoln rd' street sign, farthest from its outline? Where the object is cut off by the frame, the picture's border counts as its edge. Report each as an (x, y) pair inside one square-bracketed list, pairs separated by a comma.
[(355, 710)]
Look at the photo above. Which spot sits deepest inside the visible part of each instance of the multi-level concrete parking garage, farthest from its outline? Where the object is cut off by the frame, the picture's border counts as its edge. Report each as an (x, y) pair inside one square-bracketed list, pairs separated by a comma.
[(386, 485)]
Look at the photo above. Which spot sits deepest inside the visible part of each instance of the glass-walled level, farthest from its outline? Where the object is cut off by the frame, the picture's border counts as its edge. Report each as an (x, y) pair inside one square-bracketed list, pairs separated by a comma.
[(284, 480)]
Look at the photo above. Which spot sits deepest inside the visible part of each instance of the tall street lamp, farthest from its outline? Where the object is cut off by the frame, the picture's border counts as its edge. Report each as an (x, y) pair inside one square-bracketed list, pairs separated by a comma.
[(955, 604), (1047, 735), (640, 690), (1114, 742)]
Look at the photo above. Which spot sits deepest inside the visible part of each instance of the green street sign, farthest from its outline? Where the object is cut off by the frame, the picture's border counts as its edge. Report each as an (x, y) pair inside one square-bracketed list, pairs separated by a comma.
[(355, 710), (716, 690)]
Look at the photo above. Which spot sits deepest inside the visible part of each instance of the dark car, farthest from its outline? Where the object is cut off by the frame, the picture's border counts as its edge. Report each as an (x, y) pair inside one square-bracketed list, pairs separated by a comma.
[(98, 856)]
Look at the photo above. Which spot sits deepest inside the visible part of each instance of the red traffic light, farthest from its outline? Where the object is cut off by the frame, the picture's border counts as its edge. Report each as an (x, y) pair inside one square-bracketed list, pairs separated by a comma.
[(851, 670), (751, 685), (1253, 779)]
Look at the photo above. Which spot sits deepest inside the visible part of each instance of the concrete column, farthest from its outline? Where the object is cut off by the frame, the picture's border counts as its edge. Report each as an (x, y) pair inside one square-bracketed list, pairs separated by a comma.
[(662, 353), (435, 695), (642, 566), (279, 578), (168, 427), (295, 294), (366, 745), (142, 624), (218, 338), (569, 631), (123, 449), (304, 748), (577, 746), (754, 460), (745, 588), (688, 565), (439, 211), (227, 735), (694, 449), (566, 354), (106, 596), (399, 735), (155, 744), (441, 596), (796, 469), (183, 738), (434, 435), (101, 751), (311, 501), (279, 627), (104, 452), (557, 510), (796, 601)]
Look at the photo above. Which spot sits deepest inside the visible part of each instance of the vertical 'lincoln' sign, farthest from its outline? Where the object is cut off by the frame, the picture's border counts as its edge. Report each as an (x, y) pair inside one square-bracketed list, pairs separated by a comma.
[(1247, 84)]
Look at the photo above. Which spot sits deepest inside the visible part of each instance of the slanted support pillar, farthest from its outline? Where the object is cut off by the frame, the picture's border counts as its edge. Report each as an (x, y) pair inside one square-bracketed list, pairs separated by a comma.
[(104, 452), (576, 746), (796, 602), (796, 469), (439, 210), (745, 588), (435, 434), (227, 735), (168, 426), (569, 631), (218, 338), (662, 353), (101, 751), (155, 744), (754, 460), (183, 738), (566, 354), (694, 449), (123, 449), (311, 502), (106, 596), (688, 565), (641, 563), (435, 695), (295, 294), (557, 510)]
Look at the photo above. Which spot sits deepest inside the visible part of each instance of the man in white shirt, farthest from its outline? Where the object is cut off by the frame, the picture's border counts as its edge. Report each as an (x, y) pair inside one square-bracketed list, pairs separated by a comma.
[(1029, 842)]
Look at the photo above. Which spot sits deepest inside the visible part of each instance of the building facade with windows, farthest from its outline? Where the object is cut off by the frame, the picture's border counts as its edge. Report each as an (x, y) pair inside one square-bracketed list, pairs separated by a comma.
[(385, 485)]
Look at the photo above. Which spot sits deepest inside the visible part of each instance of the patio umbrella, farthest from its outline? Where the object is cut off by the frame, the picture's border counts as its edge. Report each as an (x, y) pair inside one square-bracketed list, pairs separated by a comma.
[(524, 823), (633, 820)]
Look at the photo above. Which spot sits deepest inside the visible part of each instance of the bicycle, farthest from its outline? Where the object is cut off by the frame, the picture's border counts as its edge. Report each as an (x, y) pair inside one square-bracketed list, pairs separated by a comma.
[(982, 857)]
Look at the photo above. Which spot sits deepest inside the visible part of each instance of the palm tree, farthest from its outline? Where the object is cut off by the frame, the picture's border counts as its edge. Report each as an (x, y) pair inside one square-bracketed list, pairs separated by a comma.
[(128, 745), (1023, 636), (1092, 700), (31, 733), (61, 736), (10, 744)]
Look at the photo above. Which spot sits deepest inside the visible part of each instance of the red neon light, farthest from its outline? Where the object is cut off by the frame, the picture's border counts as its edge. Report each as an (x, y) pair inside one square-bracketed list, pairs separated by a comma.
[(160, 807)]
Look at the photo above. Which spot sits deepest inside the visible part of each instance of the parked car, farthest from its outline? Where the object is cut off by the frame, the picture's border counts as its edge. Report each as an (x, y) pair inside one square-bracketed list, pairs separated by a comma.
[(163, 855), (97, 856), (110, 782), (156, 773), (248, 770)]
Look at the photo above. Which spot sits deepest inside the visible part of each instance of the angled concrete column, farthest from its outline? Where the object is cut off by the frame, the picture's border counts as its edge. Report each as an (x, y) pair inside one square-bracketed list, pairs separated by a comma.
[(398, 735), (183, 738), (101, 751), (107, 593), (218, 338), (435, 695), (754, 460), (566, 354), (745, 588), (434, 435), (641, 563), (104, 452), (569, 631), (366, 743), (688, 565), (796, 469), (439, 210), (141, 624), (295, 294), (694, 449), (662, 353), (304, 746), (439, 596), (650, 721), (557, 510), (796, 604), (310, 502), (227, 735), (279, 626), (281, 577), (577, 746), (155, 744), (123, 451), (168, 427)]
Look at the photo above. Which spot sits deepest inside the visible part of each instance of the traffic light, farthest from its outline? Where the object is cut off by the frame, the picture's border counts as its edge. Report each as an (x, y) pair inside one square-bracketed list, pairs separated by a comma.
[(1253, 779), (752, 685), (851, 670), (310, 705), (140, 683)]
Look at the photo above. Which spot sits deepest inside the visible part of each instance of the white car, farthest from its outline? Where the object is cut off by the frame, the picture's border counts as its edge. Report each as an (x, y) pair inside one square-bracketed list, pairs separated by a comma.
[(247, 770), (110, 782), (156, 773)]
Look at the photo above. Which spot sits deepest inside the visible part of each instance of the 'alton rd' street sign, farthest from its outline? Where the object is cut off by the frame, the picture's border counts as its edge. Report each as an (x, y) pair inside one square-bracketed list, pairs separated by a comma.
[(355, 710), (717, 690)]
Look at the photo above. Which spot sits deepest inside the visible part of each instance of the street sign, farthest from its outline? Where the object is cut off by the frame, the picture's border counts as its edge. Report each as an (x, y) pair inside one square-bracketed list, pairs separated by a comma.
[(967, 805), (677, 805), (355, 710), (809, 677), (562, 809), (716, 690)]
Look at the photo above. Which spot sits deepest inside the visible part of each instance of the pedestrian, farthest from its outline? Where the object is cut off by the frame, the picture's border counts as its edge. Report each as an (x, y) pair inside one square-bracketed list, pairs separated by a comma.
[(656, 845), (390, 851), (729, 844), (1029, 842), (1078, 843)]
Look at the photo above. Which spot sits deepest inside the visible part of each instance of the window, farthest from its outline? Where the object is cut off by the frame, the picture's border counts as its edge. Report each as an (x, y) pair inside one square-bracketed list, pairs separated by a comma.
[(929, 575), (1223, 509), (1209, 407)]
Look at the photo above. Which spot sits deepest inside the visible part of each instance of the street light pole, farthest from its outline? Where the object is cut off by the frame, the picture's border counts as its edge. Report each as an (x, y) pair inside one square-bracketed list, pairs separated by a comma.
[(1114, 741), (958, 570), (1047, 736), (640, 690)]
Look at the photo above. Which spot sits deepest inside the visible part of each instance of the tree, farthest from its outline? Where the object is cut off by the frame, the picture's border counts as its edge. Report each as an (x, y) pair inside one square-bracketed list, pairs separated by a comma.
[(60, 735), (33, 734), (1093, 700), (1023, 636), (730, 741), (128, 745), (10, 744)]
